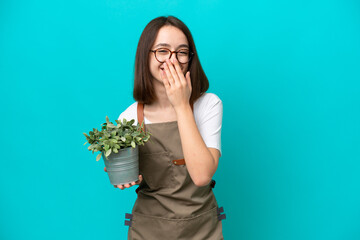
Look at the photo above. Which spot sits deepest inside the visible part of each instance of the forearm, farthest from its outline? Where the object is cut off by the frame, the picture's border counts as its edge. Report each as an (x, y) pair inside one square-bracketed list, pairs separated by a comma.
[(199, 161)]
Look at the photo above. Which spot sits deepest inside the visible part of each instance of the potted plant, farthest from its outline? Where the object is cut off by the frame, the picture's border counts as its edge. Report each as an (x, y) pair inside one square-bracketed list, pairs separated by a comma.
[(118, 145)]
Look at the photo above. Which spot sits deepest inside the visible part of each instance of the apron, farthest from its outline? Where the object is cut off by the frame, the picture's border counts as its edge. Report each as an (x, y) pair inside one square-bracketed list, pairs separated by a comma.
[(169, 205)]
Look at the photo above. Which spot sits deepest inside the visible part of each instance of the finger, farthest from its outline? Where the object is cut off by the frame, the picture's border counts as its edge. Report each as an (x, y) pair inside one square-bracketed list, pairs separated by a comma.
[(188, 80), (140, 179), (115, 186), (121, 187), (179, 71), (173, 72), (127, 185), (164, 79), (105, 169), (169, 75)]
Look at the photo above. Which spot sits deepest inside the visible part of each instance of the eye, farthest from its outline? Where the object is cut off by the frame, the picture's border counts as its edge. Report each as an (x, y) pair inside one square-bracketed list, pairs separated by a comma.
[(184, 52), (162, 50)]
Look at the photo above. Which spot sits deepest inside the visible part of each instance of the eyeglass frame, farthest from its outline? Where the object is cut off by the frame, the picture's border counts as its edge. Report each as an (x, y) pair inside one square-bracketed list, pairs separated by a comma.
[(171, 52)]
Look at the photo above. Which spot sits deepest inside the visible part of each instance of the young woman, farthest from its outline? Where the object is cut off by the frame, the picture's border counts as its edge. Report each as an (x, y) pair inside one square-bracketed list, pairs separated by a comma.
[(175, 198)]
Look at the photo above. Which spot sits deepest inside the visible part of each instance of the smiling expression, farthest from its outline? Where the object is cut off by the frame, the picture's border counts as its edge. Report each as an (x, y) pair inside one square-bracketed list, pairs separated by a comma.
[(168, 37)]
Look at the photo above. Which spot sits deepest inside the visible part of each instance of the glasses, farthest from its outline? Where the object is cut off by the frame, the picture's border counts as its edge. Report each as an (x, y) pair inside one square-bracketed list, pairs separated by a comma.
[(182, 55)]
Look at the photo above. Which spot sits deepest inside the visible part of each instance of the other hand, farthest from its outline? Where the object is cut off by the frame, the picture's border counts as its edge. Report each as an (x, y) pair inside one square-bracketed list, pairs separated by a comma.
[(123, 186)]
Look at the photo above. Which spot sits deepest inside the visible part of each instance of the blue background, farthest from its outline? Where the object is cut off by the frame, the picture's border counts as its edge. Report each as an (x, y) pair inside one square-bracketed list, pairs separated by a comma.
[(287, 72)]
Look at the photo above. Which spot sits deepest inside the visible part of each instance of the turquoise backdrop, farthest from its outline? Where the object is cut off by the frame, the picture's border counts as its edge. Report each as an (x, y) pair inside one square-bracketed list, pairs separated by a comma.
[(287, 72)]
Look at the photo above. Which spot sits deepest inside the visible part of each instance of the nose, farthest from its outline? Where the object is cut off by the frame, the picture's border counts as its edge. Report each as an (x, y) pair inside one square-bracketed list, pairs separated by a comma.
[(173, 56)]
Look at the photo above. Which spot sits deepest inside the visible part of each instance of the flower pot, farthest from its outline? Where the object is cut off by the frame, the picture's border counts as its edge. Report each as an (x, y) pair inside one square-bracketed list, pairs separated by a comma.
[(123, 167)]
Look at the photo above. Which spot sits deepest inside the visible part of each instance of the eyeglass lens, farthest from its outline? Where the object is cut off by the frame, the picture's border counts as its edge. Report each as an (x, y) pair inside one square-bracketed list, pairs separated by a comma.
[(183, 56)]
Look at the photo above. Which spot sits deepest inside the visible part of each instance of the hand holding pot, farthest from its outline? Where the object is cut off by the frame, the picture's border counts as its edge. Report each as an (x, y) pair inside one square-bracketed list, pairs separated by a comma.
[(122, 187)]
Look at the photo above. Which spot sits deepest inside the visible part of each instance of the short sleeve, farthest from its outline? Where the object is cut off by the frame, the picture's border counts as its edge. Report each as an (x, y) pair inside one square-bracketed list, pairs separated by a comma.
[(129, 113), (121, 116), (211, 123)]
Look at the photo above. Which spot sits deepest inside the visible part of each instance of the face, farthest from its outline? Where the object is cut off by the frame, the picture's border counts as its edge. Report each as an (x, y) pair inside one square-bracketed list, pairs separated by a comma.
[(173, 38)]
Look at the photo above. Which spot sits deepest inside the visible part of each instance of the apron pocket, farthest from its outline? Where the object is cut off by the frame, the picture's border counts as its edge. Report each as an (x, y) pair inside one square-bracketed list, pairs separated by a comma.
[(157, 169), (202, 227)]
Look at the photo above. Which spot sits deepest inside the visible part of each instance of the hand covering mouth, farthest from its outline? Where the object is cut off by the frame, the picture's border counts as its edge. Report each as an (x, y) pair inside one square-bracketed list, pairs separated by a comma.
[(162, 68)]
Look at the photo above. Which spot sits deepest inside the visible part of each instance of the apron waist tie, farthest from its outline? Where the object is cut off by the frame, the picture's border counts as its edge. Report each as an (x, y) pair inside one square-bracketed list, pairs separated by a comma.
[(221, 216), (128, 222)]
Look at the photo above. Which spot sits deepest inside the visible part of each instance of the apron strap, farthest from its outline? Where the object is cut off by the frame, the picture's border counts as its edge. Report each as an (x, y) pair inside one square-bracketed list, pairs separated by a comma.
[(140, 114)]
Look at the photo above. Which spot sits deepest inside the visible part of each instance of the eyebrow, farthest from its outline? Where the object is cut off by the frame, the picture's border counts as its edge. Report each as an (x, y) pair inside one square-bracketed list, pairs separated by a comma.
[(167, 45)]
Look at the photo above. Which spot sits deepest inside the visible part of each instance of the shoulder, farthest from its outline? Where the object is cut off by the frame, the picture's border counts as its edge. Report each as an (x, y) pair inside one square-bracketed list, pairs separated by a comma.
[(207, 99), (130, 112), (208, 102)]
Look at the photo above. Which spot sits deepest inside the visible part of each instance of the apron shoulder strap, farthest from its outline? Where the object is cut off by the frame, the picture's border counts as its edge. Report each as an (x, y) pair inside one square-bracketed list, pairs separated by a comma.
[(140, 114)]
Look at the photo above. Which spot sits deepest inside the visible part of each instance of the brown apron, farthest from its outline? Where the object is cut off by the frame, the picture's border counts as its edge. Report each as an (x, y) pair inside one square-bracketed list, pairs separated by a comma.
[(169, 205)]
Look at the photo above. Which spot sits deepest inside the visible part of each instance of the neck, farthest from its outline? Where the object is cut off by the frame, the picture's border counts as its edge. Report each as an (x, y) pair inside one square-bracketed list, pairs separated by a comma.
[(162, 102)]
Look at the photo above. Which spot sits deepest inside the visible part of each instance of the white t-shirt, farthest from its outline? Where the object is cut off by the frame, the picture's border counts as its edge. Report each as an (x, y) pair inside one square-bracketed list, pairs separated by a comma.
[(208, 112)]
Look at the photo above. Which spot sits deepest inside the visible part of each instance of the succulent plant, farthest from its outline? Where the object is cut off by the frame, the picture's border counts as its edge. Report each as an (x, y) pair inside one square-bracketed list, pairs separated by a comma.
[(112, 137)]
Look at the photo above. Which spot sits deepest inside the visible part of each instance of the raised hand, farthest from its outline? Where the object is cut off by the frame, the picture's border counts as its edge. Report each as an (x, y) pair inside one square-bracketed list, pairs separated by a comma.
[(177, 85)]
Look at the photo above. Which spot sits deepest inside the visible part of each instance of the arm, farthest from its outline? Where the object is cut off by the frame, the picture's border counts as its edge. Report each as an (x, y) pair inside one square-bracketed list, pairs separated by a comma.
[(201, 161)]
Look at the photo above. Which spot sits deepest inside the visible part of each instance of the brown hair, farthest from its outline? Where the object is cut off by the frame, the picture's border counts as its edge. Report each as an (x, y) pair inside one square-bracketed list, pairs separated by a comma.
[(144, 91)]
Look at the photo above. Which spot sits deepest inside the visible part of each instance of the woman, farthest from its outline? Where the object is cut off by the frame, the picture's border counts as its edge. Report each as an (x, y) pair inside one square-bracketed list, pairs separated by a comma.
[(175, 198)]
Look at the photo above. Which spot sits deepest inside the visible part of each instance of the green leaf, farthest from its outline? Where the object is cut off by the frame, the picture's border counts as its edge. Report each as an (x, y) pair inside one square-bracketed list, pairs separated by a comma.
[(98, 157), (135, 134), (85, 143), (133, 144), (108, 152)]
